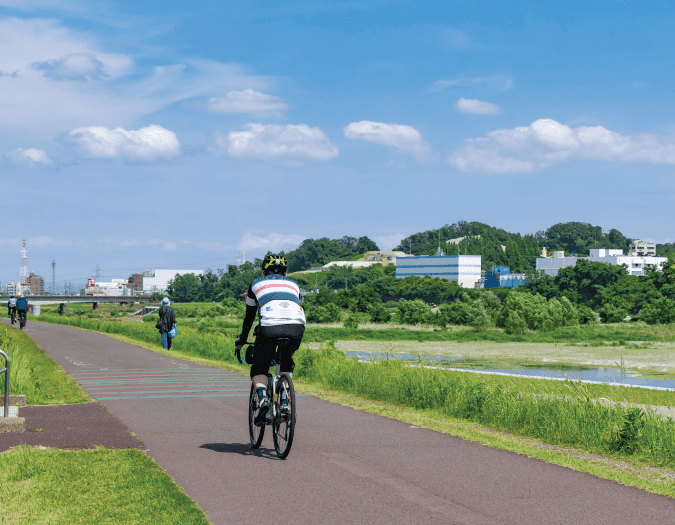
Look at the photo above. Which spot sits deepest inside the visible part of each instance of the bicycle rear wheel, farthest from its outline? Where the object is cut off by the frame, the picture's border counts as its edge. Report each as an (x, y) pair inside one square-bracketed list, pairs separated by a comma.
[(283, 428), (256, 432)]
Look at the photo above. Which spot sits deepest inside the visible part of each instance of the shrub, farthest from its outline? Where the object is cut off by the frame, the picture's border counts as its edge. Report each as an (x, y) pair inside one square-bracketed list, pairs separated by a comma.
[(412, 312), (515, 324), (610, 313), (379, 314), (480, 318), (351, 321), (660, 311), (587, 316)]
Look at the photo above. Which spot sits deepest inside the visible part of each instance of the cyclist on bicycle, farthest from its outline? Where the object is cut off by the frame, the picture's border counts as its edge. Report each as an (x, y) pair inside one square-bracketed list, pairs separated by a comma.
[(22, 307), (11, 306), (276, 298)]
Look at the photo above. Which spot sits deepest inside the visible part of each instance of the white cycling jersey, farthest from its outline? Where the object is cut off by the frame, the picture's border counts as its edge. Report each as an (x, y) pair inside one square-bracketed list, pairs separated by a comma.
[(12, 302)]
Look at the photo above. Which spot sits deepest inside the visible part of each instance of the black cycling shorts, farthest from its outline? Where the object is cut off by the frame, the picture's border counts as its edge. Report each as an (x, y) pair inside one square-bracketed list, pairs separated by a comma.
[(263, 352)]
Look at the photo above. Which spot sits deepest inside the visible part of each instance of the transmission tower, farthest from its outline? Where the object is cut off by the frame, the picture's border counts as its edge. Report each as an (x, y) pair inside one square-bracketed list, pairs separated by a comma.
[(23, 274), (98, 272), (54, 276)]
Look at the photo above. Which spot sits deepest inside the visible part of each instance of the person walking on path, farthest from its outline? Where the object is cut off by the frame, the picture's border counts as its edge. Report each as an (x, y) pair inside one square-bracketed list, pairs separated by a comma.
[(167, 320)]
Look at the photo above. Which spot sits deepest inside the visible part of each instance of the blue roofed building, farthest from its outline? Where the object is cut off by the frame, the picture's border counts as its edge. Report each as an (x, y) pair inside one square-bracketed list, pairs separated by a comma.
[(501, 277)]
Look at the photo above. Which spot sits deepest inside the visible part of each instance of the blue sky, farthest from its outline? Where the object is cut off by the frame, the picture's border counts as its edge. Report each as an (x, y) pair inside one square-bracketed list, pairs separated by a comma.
[(139, 135)]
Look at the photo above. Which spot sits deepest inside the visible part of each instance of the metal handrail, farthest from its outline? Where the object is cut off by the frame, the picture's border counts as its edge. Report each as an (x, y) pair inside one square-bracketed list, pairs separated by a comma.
[(6, 371)]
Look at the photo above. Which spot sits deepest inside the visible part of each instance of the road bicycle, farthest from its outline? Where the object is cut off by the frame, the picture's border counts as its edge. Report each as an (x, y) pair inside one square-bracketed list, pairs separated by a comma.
[(22, 318), (281, 415), (13, 315)]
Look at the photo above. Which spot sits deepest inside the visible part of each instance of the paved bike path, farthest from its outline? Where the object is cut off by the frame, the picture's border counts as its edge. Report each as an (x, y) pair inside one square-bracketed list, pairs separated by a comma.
[(346, 466)]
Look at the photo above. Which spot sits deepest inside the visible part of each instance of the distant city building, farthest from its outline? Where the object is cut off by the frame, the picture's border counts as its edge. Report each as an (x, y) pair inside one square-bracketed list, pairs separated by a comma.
[(14, 288), (461, 269), (635, 264), (158, 280), (501, 277), (36, 284), (135, 282), (116, 287), (640, 248)]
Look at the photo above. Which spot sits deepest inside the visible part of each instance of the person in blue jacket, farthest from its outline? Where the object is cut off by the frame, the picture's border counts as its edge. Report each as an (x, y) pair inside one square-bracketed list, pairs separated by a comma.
[(22, 307)]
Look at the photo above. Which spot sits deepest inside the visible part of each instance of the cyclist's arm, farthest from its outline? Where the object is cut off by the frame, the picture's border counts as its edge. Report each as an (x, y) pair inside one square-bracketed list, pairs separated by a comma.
[(251, 309)]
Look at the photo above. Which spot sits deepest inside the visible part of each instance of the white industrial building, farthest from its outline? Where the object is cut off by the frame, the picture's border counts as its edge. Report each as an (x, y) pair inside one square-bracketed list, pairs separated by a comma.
[(116, 287), (158, 280), (461, 269), (635, 264)]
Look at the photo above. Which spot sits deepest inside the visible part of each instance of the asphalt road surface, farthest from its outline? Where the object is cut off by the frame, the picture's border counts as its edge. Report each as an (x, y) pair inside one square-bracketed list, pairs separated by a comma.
[(346, 466)]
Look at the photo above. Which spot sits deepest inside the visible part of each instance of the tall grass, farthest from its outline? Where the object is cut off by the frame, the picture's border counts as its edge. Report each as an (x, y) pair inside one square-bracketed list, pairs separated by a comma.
[(36, 375), (196, 342), (574, 419)]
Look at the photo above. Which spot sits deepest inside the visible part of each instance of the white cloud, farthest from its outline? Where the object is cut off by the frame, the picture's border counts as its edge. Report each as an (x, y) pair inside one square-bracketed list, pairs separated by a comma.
[(274, 242), (30, 156), (150, 143), (49, 70), (403, 138), (247, 101), (76, 66), (42, 241), (387, 243), (546, 142), (502, 82), (274, 142), (477, 107)]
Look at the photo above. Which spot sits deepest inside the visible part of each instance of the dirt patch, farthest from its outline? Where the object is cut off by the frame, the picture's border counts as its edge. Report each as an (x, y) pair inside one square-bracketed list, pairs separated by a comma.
[(81, 426)]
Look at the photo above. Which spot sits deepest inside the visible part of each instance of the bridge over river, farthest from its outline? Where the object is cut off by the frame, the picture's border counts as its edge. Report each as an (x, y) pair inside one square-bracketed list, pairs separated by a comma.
[(63, 300)]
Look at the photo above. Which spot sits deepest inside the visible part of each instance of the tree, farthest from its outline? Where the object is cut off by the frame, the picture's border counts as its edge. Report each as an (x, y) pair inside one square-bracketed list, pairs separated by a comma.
[(412, 312), (185, 288), (661, 311), (379, 314), (364, 244)]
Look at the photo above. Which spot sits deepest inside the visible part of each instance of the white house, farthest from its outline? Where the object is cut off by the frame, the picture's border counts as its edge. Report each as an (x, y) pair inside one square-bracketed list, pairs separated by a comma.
[(634, 263)]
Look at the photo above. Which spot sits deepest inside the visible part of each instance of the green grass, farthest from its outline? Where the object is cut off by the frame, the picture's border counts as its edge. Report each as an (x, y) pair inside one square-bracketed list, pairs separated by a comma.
[(90, 486), (35, 374), (572, 418)]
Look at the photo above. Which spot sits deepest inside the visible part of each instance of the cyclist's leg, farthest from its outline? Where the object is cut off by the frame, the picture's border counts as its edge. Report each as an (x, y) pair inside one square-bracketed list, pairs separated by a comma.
[(263, 354), (286, 350)]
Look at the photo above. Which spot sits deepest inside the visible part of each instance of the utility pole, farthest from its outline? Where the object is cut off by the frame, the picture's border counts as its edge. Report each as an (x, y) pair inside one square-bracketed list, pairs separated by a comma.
[(54, 276), (23, 274)]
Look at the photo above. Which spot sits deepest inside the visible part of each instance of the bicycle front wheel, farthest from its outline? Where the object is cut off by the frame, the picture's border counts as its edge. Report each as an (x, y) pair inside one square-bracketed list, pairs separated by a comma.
[(284, 423), (256, 432)]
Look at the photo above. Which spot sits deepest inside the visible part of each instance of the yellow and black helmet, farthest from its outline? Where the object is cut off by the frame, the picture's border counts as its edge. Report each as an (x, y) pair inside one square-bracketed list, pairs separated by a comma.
[(274, 263)]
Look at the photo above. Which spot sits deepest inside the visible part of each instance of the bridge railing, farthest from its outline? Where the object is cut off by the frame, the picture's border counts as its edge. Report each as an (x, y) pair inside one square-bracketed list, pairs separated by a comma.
[(6, 371)]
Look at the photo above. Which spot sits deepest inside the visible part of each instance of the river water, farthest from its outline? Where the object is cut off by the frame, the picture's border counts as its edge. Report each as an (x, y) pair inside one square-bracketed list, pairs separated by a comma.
[(585, 374)]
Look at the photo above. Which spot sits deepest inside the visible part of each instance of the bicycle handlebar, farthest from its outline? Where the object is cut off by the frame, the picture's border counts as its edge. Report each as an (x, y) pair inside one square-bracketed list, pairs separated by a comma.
[(237, 351)]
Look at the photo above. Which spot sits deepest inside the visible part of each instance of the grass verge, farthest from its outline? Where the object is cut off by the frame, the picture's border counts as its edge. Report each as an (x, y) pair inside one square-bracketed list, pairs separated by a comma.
[(35, 374), (90, 486)]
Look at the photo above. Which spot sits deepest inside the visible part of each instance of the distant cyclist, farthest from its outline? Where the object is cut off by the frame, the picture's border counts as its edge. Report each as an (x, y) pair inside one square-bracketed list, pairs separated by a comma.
[(22, 307), (11, 308), (276, 298)]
